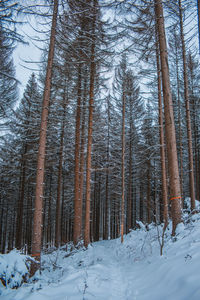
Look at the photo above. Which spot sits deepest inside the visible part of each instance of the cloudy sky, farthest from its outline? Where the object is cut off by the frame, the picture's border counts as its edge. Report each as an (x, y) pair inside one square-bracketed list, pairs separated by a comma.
[(27, 57)]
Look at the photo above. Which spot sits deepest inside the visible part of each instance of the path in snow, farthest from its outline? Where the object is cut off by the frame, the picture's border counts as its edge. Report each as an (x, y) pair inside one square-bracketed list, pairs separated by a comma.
[(134, 270), (109, 277)]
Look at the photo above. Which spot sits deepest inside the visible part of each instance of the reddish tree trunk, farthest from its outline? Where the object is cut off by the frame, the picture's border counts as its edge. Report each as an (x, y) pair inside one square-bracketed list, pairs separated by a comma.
[(77, 202), (130, 180), (82, 148), (179, 125), (162, 142), (59, 185), (198, 15), (107, 202), (194, 123), (37, 226), (89, 143), (175, 188), (187, 106)]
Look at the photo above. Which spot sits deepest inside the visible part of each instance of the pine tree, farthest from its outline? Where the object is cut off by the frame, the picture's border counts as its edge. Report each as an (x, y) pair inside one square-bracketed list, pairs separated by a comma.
[(187, 106), (37, 227), (90, 123), (162, 141), (198, 15), (8, 83), (175, 189), (26, 126)]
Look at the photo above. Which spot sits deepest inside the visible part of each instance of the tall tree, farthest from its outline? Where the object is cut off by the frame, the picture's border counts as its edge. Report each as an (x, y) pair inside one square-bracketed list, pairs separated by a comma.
[(65, 101), (187, 107), (8, 83), (175, 188), (37, 227), (90, 123), (26, 126), (162, 140), (198, 15), (123, 159), (175, 53), (193, 82)]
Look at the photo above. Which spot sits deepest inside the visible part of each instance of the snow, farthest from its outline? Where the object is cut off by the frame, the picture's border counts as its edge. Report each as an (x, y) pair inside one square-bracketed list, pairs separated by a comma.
[(109, 270), (13, 268)]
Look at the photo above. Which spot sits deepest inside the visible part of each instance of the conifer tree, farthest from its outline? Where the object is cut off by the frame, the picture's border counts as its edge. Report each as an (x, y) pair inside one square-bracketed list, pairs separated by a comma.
[(37, 227), (8, 83), (90, 121), (26, 126), (187, 106), (175, 189)]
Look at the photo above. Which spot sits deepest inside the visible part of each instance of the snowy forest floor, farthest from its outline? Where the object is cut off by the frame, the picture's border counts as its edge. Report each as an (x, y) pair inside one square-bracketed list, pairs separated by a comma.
[(109, 270)]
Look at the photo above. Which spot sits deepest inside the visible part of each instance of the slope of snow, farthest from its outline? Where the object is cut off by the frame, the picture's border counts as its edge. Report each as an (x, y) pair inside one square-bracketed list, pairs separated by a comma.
[(109, 270)]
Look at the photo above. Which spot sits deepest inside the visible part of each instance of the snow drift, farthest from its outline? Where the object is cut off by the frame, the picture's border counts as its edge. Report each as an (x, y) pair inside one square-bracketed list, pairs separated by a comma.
[(109, 270)]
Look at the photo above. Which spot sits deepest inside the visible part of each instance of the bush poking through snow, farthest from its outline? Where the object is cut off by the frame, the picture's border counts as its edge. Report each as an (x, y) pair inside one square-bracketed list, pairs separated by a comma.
[(14, 269)]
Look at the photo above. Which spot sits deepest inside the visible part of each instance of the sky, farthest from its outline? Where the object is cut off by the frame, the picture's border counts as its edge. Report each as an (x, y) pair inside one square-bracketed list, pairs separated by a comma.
[(23, 69), (27, 56)]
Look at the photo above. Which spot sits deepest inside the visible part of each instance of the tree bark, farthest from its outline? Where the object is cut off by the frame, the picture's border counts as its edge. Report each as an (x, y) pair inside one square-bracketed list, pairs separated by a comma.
[(179, 124), (59, 185), (123, 164), (37, 226), (20, 208), (149, 192), (194, 123), (107, 201), (187, 106), (90, 127), (1, 222), (175, 188), (162, 141), (198, 15), (130, 180), (77, 202), (82, 148)]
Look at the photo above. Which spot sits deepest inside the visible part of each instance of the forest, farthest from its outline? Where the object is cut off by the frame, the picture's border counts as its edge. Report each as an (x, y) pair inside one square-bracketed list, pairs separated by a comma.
[(105, 140)]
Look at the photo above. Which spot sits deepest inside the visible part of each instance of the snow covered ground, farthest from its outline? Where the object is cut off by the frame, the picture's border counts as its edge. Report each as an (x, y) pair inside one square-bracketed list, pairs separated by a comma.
[(109, 270)]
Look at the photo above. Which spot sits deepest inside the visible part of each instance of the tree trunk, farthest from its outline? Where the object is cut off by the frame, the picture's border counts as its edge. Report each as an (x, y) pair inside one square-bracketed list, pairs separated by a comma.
[(194, 123), (187, 106), (123, 166), (175, 188), (94, 207), (141, 203), (107, 201), (1, 222), (59, 185), (198, 15), (179, 125), (90, 125), (149, 193), (98, 209), (162, 142), (19, 221), (82, 148), (5, 227), (77, 202), (63, 216), (37, 226), (28, 230), (130, 180)]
